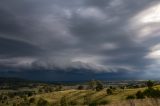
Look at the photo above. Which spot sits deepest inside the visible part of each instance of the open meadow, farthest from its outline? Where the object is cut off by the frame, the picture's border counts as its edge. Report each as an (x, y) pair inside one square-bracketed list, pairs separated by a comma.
[(93, 93)]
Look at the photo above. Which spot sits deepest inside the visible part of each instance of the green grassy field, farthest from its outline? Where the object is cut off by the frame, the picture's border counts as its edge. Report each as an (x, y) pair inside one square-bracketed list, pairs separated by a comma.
[(74, 97), (78, 96)]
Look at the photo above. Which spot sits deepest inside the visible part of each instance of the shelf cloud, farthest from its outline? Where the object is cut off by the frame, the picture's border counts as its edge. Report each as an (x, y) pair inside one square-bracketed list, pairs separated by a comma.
[(100, 36)]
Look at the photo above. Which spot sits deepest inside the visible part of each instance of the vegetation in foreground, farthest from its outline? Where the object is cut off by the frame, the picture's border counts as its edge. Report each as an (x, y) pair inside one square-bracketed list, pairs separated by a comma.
[(93, 93)]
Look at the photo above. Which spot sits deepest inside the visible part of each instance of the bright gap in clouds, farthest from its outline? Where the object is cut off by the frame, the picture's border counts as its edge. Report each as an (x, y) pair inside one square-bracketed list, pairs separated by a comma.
[(146, 27), (151, 15), (146, 23), (148, 16)]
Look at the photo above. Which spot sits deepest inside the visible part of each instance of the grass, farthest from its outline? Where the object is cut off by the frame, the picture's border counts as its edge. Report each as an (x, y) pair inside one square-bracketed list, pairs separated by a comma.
[(80, 97)]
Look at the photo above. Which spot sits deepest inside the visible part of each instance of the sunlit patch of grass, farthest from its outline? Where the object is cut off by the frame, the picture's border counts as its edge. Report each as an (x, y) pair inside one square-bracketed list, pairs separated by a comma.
[(78, 96)]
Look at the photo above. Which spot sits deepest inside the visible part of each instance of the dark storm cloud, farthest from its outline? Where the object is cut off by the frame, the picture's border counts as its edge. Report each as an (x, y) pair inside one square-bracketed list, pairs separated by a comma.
[(95, 35), (15, 48)]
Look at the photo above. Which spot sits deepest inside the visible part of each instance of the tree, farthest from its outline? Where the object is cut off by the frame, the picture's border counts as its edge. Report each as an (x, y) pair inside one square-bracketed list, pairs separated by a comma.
[(92, 84), (99, 86), (150, 84), (80, 87), (111, 87), (140, 95), (122, 87), (109, 91)]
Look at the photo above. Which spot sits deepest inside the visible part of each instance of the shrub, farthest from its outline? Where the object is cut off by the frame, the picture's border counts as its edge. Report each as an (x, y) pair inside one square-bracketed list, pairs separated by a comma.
[(42, 102), (149, 84), (40, 90), (73, 103), (99, 86), (31, 100), (152, 93), (130, 97), (80, 87), (92, 85), (97, 103), (110, 87), (113, 88), (103, 102), (87, 100), (14, 104), (2, 101), (122, 87), (24, 104), (140, 95), (93, 103), (59, 87), (64, 101), (109, 91)]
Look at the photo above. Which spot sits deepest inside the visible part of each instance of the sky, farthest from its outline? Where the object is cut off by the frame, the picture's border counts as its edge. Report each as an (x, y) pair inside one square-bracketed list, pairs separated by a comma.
[(80, 39)]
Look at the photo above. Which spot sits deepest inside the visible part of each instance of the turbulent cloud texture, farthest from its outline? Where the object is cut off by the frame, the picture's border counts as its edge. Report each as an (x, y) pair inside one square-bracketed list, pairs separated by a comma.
[(81, 36)]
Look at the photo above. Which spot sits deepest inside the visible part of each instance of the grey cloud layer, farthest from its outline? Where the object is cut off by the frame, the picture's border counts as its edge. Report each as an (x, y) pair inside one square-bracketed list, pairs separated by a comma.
[(89, 34)]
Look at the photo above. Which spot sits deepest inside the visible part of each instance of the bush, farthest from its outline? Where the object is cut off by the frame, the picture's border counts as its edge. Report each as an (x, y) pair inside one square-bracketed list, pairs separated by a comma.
[(31, 100), (140, 95), (97, 103), (109, 91), (64, 101), (73, 103), (112, 88), (93, 104), (80, 87), (149, 84), (42, 102), (103, 102), (59, 88), (99, 86), (131, 97), (24, 104), (14, 104), (87, 100), (122, 87), (152, 93), (92, 85)]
